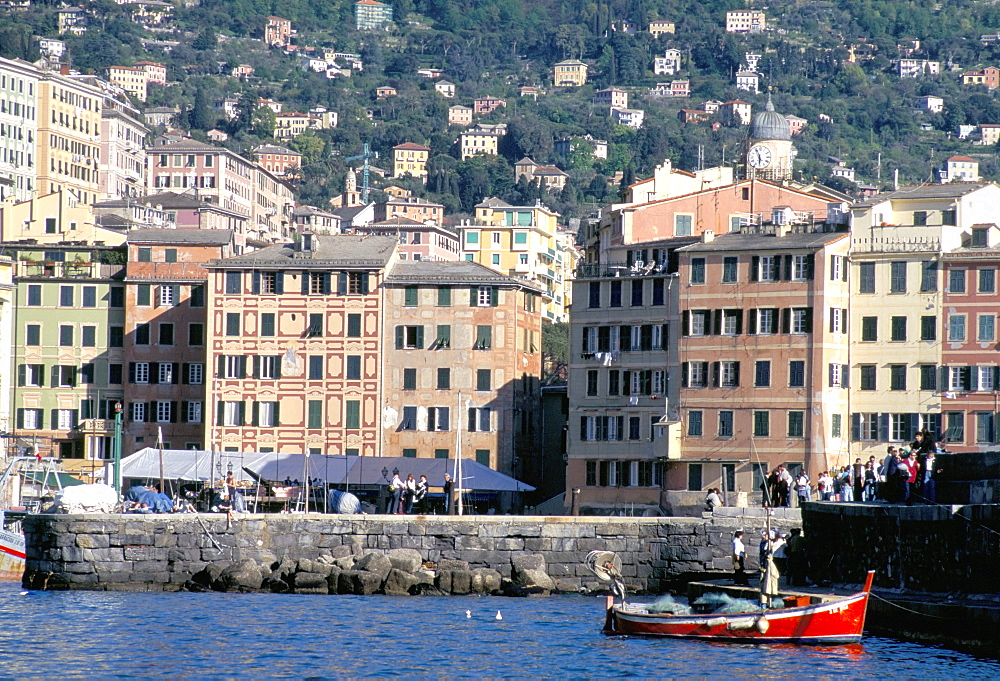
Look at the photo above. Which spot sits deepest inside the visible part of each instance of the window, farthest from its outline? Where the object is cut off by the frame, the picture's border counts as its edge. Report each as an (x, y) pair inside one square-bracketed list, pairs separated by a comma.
[(866, 283), (196, 334), (482, 379), (195, 373), (732, 322), (65, 336), (897, 277), (637, 285), (762, 374), (956, 281), (66, 296), (897, 377), (139, 411), (730, 374), (484, 338), (955, 431), (314, 328), (928, 276), (353, 368), (987, 281), (409, 379), (354, 325), (443, 339), (485, 296), (315, 368), (986, 382), (898, 332), (170, 255), (234, 283), (166, 296), (141, 372), (144, 295), (920, 218), (481, 420), (165, 372), (725, 423), (163, 411), (268, 367), (697, 270), (729, 270), (33, 334), (801, 320), (683, 225), (233, 413), (796, 374), (836, 428), (315, 414), (694, 423), (838, 320), (694, 477), (767, 268), (928, 377), (197, 298), (698, 324), (34, 294), (50, 225), (767, 321), (89, 296), (867, 376), (438, 418), (142, 334), (166, 334), (837, 264), (411, 295), (796, 423), (958, 378), (761, 424), (869, 328), (232, 323), (985, 427), (928, 328), (444, 378), (234, 366), (594, 291), (592, 383), (956, 328), (801, 267), (980, 238), (145, 254), (267, 324), (193, 414), (444, 296), (616, 294), (697, 374), (987, 328), (838, 375)]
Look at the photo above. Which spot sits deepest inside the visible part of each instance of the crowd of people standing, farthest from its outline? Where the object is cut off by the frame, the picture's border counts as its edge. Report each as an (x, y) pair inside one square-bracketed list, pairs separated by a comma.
[(907, 474)]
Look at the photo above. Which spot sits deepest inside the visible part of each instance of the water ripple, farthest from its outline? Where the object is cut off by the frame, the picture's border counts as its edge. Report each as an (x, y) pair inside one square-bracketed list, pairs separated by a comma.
[(95, 634)]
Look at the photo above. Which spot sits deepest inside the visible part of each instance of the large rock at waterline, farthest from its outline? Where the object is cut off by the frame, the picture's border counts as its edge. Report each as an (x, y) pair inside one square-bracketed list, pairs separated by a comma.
[(399, 583), (358, 582), (407, 560), (208, 575), (375, 563), (243, 575), (449, 564), (311, 583), (528, 572), (485, 581)]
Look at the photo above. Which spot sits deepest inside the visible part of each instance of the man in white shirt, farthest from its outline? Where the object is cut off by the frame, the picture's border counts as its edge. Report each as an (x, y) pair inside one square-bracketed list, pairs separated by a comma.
[(739, 560)]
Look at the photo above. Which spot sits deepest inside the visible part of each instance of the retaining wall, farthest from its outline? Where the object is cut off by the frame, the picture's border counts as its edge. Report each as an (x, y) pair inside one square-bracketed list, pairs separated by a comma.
[(164, 552)]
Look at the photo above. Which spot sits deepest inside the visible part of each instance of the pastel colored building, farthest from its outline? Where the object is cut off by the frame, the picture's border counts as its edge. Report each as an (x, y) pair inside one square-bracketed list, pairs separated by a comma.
[(483, 106), (417, 240), (131, 79), (612, 97), (277, 32), (371, 15), (745, 21), (460, 115), (69, 123), (19, 90), (411, 207), (569, 73), (410, 159), (281, 161), (123, 154)]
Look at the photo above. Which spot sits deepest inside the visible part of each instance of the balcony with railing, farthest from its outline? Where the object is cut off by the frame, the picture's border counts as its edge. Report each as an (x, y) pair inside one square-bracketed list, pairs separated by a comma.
[(604, 270), (73, 269)]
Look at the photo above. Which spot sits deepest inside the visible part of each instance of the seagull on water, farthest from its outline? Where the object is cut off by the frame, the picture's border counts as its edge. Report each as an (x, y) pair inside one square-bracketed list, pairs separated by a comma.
[(468, 614), (499, 616)]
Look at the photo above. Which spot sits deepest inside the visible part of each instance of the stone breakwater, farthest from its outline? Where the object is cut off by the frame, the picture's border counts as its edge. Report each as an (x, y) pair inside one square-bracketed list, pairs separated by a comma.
[(375, 554)]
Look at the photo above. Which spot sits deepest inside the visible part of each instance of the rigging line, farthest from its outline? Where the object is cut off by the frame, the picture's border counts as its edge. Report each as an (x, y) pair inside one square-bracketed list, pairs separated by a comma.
[(915, 612)]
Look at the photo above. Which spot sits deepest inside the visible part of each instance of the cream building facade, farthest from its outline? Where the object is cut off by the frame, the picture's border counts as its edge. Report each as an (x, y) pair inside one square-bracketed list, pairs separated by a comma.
[(69, 137), (18, 154)]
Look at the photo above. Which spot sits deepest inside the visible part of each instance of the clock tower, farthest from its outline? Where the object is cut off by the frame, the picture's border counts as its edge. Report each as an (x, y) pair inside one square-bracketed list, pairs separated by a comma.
[(769, 152)]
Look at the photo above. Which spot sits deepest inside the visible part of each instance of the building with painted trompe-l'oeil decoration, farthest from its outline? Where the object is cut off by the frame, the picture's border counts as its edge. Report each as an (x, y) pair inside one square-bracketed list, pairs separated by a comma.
[(333, 345)]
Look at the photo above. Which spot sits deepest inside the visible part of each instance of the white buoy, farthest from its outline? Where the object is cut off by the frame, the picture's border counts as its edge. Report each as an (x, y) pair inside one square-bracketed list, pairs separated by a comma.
[(468, 614), (499, 616), (25, 593)]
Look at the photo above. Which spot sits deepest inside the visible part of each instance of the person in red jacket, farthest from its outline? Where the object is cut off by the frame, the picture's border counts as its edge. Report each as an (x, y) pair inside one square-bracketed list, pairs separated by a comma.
[(910, 483)]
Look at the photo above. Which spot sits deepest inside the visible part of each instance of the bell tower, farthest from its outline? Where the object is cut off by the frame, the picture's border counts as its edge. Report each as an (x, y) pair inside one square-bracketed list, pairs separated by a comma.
[(768, 153), (352, 197)]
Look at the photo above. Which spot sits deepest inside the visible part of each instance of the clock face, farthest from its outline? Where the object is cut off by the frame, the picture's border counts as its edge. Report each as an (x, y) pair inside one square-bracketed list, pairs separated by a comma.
[(759, 157)]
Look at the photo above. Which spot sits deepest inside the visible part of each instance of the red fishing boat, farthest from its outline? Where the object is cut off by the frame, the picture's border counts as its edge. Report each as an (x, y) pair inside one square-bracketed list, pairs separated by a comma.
[(810, 619)]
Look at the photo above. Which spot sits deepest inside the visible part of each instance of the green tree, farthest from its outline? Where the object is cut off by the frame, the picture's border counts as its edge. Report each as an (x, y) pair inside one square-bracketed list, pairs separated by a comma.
[(202, 117), (206, 40), (310, 146), (555, 352), (263, 122)]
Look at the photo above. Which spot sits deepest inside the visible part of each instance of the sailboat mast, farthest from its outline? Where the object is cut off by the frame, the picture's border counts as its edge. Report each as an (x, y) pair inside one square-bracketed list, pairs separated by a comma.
[(458, 454)]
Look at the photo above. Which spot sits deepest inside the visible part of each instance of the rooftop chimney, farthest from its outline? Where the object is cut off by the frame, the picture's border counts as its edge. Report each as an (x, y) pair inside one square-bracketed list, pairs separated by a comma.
[(707, 237)]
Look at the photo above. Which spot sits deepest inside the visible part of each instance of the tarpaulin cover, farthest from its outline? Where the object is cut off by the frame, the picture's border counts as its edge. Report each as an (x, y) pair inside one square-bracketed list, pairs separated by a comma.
[(191, 464), (155, 501)]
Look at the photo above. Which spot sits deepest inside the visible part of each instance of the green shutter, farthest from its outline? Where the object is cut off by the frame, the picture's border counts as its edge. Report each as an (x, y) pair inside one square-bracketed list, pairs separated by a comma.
[(444, 335), (494, 296), (400, 330), (444, 296), (420, 337), (473, 295)]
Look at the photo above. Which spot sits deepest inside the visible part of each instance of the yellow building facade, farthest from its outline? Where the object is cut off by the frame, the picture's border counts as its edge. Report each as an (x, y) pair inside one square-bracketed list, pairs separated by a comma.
[(69, 142)]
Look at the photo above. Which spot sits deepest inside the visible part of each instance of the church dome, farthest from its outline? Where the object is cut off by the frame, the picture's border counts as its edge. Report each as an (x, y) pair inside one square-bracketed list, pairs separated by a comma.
[(770, 125)]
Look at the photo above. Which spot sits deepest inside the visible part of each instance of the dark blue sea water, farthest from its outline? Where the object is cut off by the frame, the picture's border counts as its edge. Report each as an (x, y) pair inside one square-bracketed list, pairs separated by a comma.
[(95, 634)]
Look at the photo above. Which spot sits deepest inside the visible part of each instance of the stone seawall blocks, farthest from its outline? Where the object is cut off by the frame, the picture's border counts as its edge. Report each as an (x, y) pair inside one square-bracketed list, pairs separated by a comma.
[(157, 552)]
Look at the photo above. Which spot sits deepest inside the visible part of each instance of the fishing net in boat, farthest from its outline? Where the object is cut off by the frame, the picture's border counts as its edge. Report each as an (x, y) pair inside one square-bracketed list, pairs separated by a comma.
[(666, 604), (723, 604)]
